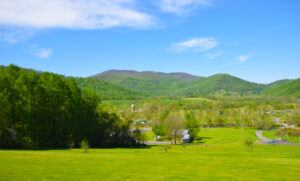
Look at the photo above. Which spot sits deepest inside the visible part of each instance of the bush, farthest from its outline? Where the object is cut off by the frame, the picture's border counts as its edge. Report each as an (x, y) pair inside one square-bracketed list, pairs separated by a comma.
[(248, 142), (167, 147), (158, 130), (84, 144), (295, 133), (288, 132)]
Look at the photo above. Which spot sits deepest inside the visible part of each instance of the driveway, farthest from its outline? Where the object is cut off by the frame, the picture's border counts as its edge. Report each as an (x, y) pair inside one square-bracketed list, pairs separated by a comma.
[(269, 141), (157, 142)]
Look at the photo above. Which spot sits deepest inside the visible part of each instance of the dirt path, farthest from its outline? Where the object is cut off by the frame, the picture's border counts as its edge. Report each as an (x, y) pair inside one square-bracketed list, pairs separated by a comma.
[(261, 137)]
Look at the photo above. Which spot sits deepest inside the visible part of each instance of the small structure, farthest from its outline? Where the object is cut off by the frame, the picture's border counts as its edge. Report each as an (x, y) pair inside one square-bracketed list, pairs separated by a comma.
[(186, 137), (140, 121), (132, 107)]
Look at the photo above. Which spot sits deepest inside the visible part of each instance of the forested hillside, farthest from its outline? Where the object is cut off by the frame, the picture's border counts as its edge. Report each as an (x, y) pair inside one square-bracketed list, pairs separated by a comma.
[(145, 74), (290, 88), (222, 84), (130, 85), (181, 84), (148, 83), (106, 90), (278, 83)]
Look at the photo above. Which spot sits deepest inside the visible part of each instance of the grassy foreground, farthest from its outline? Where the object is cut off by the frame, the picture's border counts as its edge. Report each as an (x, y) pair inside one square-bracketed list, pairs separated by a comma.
[(227, 160)]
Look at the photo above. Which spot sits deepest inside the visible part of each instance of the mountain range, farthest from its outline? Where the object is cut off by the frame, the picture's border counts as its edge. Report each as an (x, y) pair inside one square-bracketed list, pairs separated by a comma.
[(130, 84), (150, 83)]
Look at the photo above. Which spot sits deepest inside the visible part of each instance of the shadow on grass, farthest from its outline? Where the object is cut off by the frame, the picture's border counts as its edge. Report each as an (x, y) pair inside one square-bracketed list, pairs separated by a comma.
[(33, 149)]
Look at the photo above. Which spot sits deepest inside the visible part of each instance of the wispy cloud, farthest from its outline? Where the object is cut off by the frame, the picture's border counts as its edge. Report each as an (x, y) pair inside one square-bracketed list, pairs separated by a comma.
[(214, 54), (195, 44), (180, 6), (79, 14), (41, 52), (242, 58), (13, 34)]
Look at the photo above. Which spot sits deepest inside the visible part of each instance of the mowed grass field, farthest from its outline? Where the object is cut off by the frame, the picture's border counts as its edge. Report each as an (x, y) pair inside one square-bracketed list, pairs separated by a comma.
[(224, 158)]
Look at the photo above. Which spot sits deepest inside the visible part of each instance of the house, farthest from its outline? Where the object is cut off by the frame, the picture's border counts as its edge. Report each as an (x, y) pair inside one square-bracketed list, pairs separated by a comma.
[(186, 137), (140, 121)]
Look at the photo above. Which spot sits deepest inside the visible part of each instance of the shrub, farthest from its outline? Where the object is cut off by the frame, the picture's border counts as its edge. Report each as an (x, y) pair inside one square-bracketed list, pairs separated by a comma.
[(158, 130), (84, 144), (288, 132), (278, 133), (248, 142), (295, 133), (167, 147)]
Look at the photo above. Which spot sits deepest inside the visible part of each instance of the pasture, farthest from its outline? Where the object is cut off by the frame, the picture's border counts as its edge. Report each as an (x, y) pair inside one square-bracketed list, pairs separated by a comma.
[(223, 157)]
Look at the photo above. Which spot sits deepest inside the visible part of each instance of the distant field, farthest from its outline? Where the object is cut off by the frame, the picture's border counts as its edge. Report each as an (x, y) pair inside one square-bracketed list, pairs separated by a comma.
[(224, 158), (163, 101), (196, 99), (123, 102), (271, 134)]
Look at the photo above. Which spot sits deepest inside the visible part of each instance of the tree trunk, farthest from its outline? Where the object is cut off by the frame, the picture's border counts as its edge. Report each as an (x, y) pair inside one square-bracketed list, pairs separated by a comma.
[(175, 138)]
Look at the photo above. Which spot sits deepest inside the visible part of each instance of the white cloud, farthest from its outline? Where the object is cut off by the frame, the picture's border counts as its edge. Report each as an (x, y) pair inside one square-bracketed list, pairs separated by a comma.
[(41, 52), (215, 54), (195, 44), (242, 58), (180, 6), (73, 14)]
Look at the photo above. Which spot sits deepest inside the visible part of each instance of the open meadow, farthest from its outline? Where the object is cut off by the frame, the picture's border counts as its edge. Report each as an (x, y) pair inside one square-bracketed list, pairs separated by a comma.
[(204, 90), (221, 156)]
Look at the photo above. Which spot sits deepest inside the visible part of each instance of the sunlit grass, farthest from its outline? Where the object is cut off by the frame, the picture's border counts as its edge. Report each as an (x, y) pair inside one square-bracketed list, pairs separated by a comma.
[(224, 157)]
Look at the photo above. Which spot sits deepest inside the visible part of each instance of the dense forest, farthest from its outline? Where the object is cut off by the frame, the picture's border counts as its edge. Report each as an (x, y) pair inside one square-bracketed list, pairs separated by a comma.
[(48, 110), (182, 84), (107, 90), (290, 88), (222, 82), (147, 84)]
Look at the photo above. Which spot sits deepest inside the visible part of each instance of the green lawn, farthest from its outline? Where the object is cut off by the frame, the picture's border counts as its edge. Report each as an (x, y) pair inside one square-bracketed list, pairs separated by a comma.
[(271, 134), (224, 158), (225, 135), (217, 135), (149, 136)]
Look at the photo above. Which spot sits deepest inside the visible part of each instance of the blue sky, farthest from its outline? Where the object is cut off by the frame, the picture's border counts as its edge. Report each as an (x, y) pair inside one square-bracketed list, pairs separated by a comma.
[(253, 39)]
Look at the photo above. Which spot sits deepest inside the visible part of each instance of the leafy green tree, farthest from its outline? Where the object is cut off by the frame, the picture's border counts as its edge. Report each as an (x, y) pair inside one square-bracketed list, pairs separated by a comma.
[(191, 124), (173, 125), (84, 144), (41, 109), (158, 130)]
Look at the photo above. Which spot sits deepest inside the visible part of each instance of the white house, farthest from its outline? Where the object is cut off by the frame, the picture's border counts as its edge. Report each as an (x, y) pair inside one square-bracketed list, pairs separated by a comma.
[(186, 137)]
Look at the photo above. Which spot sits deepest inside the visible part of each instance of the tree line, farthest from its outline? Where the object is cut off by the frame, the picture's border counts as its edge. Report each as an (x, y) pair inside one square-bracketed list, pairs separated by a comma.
[(168, 120), (41, 109)]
